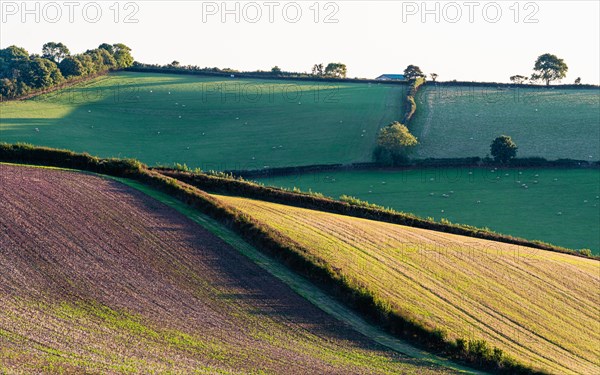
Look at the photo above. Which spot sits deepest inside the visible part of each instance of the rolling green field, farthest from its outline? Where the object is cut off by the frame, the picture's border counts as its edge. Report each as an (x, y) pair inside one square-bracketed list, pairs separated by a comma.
[(538, 306), (212, 123), (550, 123), (561, 207)]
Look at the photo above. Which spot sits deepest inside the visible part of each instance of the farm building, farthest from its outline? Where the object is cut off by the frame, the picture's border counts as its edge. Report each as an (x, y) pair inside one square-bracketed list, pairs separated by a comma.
[(390, 77)]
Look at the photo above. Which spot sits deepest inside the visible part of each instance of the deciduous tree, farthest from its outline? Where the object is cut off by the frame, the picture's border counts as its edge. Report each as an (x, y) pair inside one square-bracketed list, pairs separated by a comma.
[(337, 70), (394, 144), (55, 51), (503, 149), (318, 70), (413, 72), (549, 68), (518, 79)]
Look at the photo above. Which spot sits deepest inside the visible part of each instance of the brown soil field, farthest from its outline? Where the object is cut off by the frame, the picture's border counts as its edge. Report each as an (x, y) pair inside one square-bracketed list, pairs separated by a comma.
[(97, 277)]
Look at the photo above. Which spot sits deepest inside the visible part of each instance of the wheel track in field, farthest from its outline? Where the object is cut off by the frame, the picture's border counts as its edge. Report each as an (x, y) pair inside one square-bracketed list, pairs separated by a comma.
[(563, 305)]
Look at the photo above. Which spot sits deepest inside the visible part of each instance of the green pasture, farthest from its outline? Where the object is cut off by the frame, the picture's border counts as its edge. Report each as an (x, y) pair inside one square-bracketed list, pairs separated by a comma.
[(208, 122), (550, 123), (559, 206)]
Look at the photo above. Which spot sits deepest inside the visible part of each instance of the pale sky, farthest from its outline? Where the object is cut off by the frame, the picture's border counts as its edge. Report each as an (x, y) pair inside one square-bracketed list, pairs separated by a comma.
[(370, 37)]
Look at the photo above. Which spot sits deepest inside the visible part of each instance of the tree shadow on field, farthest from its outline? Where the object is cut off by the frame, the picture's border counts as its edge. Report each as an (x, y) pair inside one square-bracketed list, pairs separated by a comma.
[(214, 122)]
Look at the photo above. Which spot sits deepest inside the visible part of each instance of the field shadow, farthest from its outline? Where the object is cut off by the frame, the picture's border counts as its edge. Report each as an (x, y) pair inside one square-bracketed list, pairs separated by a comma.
[(242, 283)]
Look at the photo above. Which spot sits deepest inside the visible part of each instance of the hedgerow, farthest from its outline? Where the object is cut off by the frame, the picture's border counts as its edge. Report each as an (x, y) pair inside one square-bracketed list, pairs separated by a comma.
[(349, 207), (410, 104), (475, 352)]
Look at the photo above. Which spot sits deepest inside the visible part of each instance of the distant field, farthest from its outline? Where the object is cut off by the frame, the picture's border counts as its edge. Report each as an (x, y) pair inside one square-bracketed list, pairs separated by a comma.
[(540, 307), (213, 123), (463, 121), (561, 208), (120, 283)]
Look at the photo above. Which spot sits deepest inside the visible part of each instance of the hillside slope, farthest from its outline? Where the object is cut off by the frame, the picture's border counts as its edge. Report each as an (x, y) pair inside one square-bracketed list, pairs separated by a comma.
[(461, 121), (540, 307), (98, 277), (209, 122)]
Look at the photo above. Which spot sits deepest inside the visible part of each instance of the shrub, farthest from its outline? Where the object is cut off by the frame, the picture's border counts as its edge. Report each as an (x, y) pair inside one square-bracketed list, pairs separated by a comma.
[(360, 203), (586, 252), (497, 355), (394, 143), (461, 346), (503, 149), (479, 349)]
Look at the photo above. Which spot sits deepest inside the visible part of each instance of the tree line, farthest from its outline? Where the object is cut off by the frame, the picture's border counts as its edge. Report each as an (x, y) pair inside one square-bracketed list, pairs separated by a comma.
[(22, 72), (547, 68)]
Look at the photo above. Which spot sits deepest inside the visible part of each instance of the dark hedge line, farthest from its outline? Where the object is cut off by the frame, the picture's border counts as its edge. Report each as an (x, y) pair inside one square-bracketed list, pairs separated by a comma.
[(447, 162), (475, 352), (232, 186), (511, 85), (284, 171), (257, 75), (472, 162), (541, 162), (28, 154), (66, 84), (529, 162)]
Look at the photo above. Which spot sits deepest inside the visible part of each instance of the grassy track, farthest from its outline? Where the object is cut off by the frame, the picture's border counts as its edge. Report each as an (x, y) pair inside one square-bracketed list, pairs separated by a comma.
[(297, 283), (213, 123), (540, 307), (561, 208), (463, 121)]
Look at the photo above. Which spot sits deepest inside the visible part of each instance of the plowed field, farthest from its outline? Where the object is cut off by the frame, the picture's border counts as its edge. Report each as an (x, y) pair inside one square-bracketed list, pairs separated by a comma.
[(98, 277)]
